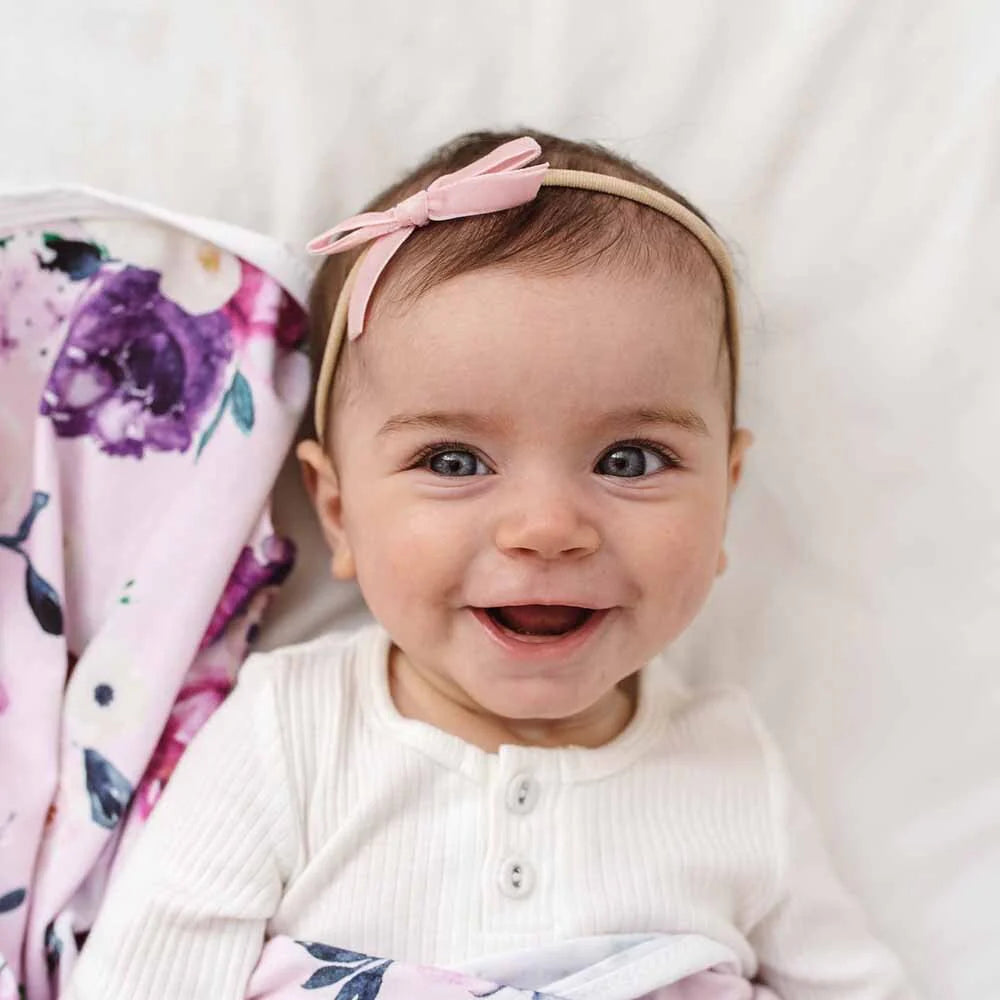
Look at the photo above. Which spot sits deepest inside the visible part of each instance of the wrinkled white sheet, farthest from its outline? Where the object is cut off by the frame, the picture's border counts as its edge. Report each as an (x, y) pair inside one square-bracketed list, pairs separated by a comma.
[(850, 153)]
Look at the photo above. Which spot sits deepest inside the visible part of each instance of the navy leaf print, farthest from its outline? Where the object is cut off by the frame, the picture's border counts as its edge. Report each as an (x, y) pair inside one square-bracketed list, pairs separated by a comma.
[(109, 792), (362, 972), (327, 953), (53, 948), (12, 900), (327, 976), (42, 598), (43, 601), (242, 403), (535, 994), (39, 499), (365, 985), (77, 259)]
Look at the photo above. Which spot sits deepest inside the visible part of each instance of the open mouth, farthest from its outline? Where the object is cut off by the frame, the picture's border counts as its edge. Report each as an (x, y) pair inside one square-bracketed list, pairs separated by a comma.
[(540, 620)]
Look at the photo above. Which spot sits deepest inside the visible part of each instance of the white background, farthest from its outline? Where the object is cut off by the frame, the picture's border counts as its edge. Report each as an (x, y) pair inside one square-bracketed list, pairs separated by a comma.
[(851, 154)]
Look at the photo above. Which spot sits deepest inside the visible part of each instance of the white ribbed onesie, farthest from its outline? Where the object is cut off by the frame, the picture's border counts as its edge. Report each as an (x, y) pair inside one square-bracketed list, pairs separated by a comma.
[(309, 806)]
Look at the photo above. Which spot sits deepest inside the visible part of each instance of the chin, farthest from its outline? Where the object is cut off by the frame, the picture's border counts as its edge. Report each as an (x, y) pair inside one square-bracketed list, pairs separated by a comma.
[(529, 701)]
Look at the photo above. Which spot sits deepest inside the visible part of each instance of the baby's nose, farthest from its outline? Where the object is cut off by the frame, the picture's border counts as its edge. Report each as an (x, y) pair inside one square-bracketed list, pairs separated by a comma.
[(548, 523)]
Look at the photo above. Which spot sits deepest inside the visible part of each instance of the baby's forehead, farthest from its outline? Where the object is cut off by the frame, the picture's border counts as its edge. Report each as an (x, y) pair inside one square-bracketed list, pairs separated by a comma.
[(601, 300), (482, 335)]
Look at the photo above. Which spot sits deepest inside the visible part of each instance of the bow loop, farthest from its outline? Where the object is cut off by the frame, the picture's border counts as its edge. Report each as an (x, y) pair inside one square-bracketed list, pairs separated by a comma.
[(497, 181), (509, 156)]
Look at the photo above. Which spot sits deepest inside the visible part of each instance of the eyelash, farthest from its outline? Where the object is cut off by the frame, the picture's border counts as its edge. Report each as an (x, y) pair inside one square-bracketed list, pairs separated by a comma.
[(669, 459), (428, 451)]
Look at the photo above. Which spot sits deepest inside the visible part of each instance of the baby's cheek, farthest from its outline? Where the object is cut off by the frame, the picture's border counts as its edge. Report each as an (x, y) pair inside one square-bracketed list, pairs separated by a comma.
[(682, 568), (415, 556)]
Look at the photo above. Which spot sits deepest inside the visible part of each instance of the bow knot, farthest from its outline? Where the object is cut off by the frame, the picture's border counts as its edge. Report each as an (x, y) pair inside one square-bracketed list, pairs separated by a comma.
[(494, 182), (412, 211)]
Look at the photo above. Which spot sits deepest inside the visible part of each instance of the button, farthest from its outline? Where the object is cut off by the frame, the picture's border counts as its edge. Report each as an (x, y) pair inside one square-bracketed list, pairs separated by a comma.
[(516, 878), (522, 794)]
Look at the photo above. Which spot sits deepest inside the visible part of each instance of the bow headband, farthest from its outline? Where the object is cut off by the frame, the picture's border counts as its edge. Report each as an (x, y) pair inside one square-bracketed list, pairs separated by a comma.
[(497, 181)]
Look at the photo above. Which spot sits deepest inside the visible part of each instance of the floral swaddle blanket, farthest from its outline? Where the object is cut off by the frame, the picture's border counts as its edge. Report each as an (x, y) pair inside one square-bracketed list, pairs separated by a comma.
[(611, 967), (152, 376)]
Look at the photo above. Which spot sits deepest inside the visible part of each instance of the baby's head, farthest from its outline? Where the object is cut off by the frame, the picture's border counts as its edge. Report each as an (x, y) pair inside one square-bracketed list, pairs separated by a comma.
[(528, 455)]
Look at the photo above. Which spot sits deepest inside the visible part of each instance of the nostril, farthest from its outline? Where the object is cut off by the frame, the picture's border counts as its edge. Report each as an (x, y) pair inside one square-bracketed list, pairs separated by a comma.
[(548, 539)]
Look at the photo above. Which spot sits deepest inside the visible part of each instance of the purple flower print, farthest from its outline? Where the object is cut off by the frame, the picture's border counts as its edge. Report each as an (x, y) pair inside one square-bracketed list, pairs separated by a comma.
[(250, 575), (136, 371)]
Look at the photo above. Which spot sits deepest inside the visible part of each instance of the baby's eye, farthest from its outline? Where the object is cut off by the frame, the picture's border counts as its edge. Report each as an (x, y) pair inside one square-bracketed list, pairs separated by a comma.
[(631, 461), (455, 462)]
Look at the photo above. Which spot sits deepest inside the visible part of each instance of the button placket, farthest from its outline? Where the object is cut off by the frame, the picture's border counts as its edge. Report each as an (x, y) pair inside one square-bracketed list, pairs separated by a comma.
[(516, 875), (518, 806)]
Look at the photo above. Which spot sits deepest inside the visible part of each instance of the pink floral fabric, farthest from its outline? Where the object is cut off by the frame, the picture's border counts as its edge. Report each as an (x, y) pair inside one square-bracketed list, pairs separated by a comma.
[(661, 967), (150, 385)]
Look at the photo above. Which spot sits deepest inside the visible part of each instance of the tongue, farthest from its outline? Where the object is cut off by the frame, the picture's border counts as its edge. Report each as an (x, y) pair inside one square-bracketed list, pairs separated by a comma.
[(540, 619)]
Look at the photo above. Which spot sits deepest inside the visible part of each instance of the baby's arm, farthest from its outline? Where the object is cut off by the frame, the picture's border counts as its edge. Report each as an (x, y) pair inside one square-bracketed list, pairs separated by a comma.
[(813, 943), (185, 918)]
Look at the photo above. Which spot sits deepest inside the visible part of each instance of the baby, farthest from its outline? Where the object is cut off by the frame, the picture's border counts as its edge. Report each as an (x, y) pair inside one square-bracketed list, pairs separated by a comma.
[(526, 448)]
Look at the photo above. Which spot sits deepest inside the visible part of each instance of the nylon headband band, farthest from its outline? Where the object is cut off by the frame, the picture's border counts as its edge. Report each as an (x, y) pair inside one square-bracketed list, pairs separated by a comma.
[(582, 180)]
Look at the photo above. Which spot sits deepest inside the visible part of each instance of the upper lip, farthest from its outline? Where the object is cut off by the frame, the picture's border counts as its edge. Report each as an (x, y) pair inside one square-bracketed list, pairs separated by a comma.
[(564, 602)]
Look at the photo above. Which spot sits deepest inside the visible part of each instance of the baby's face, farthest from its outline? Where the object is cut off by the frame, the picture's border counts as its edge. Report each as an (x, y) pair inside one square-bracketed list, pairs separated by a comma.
[(520, 446)]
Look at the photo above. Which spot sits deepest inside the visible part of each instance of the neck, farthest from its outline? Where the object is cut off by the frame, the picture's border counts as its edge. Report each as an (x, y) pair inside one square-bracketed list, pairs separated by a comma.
[(419, 694)]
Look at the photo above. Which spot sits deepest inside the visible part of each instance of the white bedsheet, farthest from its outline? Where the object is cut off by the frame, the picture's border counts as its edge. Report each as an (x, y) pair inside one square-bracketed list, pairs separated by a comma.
[(850, 153)]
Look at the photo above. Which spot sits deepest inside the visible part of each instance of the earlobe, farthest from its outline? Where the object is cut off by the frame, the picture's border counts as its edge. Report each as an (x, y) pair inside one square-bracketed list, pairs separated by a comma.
[(742, 439), (323, 488), (342, 563), (723, 563)]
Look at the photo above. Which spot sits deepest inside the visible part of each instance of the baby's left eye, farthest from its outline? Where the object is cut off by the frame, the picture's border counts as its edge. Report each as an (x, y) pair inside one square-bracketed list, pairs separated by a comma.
[(631, 461), (454, 463)]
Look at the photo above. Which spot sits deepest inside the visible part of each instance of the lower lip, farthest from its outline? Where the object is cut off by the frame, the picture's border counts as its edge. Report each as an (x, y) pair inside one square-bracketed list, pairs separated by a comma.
[(533, 647)]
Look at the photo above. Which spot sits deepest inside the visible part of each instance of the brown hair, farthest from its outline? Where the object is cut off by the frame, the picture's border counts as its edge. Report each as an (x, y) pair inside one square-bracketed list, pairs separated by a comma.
[(560, 230)]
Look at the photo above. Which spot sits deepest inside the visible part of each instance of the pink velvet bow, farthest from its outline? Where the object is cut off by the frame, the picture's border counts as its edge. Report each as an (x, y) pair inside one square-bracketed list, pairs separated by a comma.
[(492, 183)]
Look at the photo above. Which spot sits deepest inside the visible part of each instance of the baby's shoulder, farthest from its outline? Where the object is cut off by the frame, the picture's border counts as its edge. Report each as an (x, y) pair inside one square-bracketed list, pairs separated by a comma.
[(716, 722), (310, 684)]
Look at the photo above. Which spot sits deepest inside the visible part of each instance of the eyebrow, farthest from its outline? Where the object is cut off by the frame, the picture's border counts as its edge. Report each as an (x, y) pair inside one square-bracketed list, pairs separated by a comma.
[(678, 416), (439, 420)]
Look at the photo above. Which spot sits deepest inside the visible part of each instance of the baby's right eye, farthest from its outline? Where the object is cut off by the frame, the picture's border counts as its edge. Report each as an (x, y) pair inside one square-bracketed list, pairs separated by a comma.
[(454, 463)]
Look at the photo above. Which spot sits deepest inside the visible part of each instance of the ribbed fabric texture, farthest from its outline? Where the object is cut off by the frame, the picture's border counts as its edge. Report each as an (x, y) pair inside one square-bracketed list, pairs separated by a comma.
[(308, 806)]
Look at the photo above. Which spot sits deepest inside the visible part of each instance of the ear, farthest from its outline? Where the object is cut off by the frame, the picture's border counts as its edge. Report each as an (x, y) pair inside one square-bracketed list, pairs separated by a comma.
[(323, 488), (742, 439)]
